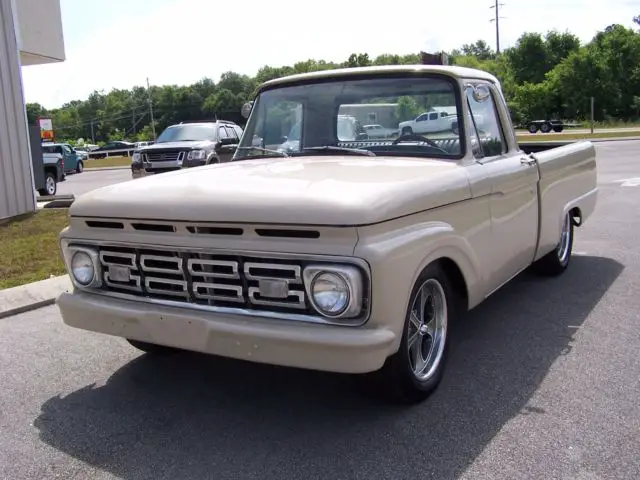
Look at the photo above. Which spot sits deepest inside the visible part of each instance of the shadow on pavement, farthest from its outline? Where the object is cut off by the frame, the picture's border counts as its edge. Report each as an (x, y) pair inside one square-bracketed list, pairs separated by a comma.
[(194, 416)]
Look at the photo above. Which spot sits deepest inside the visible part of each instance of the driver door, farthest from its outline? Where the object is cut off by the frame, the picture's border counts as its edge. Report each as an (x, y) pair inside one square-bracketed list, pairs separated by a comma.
[(510, 187), (227, 143)]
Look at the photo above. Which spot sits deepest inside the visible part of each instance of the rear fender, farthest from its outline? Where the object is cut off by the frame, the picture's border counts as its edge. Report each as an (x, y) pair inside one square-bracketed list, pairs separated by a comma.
[(568, 180)]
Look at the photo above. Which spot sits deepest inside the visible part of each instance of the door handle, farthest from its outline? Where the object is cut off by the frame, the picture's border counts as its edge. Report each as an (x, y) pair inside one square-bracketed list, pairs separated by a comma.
[(527, 161)]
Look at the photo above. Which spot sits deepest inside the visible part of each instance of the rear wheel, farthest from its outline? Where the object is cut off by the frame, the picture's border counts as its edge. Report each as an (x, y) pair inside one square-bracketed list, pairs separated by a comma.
[(152, 348), (407, 131), (414, 372), (556, 262), (79, 167), (50, 185), (545, 128)]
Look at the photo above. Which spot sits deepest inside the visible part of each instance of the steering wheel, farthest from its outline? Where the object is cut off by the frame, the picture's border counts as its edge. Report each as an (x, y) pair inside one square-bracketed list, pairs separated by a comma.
[(417, 138)]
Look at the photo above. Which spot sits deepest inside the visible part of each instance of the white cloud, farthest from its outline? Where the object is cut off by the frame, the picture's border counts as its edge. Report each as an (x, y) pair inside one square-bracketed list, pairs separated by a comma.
[(190, 39)]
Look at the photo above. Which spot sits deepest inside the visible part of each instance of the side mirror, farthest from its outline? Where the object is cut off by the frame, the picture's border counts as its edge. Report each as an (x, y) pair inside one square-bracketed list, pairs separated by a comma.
[(481, 93), (227, 141), (246, 109)]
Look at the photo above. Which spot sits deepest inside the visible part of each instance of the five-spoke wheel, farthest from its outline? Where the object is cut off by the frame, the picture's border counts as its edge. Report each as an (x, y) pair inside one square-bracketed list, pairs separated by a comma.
[(427, 329), (415, 370)]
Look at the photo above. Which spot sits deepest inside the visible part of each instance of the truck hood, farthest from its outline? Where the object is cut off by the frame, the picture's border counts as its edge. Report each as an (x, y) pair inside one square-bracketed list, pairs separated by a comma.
[(337, 190), (171, 145)]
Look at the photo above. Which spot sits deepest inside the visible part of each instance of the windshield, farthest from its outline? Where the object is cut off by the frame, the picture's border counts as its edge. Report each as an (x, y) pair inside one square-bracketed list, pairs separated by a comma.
[(186, 132), (406, 113)]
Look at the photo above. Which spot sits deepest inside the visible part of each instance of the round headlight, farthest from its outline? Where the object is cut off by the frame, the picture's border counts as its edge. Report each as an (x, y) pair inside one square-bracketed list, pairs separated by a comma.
[(330, 293), (82, 268)]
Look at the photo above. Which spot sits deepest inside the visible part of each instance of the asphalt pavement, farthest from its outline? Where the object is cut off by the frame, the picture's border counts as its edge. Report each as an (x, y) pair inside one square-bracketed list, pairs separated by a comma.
[(543, 383), (79, 183)]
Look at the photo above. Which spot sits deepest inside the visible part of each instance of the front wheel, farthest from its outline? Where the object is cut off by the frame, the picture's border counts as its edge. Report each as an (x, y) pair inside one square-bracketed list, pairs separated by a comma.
[(414, 372), (556, 262)]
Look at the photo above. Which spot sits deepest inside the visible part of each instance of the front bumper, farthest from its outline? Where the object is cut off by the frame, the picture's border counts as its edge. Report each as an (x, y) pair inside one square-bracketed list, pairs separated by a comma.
[(285, 343)]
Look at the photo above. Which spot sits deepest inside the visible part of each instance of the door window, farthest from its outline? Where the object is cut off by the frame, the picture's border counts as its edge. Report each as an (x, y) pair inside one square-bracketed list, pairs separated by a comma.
[(488, 129)]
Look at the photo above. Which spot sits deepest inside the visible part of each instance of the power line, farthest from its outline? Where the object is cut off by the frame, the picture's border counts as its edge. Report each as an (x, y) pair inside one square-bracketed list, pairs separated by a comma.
[(497, 20)]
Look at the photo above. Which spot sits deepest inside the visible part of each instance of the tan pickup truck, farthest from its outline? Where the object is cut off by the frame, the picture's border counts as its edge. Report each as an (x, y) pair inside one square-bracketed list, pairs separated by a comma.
[(329, 251)]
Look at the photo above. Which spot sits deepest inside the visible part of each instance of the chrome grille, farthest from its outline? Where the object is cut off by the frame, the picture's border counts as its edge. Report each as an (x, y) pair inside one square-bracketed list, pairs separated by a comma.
[(164, 156), (205, 279)]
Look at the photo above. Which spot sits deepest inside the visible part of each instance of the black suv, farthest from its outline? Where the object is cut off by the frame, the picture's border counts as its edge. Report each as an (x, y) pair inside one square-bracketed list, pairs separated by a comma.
[(188, 144)]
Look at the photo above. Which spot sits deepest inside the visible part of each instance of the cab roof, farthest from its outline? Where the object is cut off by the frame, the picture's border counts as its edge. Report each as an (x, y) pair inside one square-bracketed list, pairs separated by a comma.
[(340, 73)]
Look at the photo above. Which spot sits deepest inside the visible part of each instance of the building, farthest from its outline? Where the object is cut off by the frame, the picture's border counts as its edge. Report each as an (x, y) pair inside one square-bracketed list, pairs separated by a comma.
[(30, 34)]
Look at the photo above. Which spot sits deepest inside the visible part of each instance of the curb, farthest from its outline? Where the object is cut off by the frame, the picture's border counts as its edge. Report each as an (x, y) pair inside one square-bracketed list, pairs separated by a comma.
[(50, 198), (63, 203), (32, 296)]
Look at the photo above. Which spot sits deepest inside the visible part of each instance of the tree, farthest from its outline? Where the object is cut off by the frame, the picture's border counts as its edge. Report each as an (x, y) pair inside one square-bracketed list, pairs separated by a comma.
[(529, 59), (480, 49)]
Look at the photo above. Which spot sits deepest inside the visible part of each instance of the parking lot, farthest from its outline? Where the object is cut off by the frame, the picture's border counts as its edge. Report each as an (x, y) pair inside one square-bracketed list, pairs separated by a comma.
[(543, 382), (77, 184)]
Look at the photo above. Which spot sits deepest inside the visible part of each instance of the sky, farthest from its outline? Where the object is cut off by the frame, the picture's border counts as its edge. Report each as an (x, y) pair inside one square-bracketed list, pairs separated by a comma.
[(120, 43)]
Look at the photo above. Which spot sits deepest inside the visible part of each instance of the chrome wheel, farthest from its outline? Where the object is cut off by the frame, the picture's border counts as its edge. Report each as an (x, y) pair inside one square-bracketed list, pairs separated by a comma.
[(565, 240), (427, 332), (50, 185)]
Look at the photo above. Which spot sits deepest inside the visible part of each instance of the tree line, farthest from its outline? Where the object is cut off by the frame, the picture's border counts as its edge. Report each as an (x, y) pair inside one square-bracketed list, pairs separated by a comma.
[(542, 76)]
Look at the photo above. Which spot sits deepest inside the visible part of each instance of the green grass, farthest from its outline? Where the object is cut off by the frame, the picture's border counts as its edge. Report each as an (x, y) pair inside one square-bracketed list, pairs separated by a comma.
[(538, 137), (107, 162), (29, 248)]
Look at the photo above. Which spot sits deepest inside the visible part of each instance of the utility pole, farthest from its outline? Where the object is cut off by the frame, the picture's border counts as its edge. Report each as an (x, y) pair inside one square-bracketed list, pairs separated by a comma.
[(133, 114), (497, 20), (93, 137), (153, 125)]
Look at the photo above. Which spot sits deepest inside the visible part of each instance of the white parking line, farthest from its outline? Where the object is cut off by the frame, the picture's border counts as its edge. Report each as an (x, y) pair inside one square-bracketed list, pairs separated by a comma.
[(630, 182)]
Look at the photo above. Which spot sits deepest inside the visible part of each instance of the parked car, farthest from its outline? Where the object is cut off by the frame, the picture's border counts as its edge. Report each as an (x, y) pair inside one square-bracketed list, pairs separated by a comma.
[(54, 172), (431, 122), (113, 148), (350, 256), (81, 152), (187, 144), (72, 160), (378, 131)]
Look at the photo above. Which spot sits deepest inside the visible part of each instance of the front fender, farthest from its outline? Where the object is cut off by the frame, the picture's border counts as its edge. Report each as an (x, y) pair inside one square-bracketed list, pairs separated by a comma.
[(397, 255)]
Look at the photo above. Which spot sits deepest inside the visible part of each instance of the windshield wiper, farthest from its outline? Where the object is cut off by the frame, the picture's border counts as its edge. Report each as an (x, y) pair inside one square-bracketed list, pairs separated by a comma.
[(265, 150), (330, 148)]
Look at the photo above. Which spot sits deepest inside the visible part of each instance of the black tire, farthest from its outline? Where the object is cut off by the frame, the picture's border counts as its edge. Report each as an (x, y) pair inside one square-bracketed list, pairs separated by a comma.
[(152, 348), (558, 128), (407, 131), (557, 261), (533, 128), (397, 380), (80, 167), (545, 127), (51, 186)]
